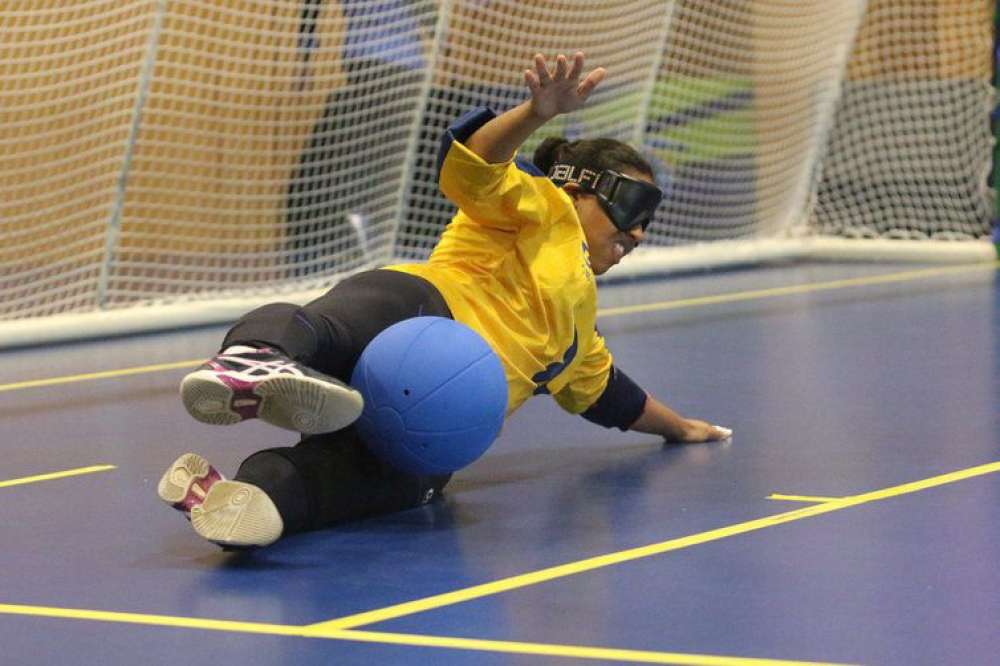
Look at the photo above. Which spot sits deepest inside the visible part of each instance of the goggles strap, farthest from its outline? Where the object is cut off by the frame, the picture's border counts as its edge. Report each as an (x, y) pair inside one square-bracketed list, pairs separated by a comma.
[(570, 173), (634, 210)]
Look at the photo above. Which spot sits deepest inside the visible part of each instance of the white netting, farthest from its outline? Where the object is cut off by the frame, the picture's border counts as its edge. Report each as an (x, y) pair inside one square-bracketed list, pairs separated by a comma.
[(173, 150)]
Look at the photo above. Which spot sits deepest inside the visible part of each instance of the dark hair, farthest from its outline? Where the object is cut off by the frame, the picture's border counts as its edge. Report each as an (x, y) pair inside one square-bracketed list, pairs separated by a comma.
[(597, 154)]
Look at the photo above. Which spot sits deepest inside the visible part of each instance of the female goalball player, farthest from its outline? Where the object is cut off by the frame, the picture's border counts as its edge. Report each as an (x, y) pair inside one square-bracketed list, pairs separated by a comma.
[(516, 264)]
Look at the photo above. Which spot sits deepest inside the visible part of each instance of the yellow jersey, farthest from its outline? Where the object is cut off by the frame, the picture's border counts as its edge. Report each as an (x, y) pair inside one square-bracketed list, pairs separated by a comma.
[(513, 265)]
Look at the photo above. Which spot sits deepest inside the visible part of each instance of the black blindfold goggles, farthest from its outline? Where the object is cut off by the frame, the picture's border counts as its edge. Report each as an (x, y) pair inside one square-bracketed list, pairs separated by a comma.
[(627, 201)]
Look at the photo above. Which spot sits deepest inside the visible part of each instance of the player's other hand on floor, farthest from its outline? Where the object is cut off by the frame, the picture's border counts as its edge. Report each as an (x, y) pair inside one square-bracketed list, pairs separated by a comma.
[(696, 432)]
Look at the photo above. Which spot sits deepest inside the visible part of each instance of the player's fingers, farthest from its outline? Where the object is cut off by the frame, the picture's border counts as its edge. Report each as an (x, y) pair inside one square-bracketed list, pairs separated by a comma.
[(577, 69), (542, 69), (561, 67), (534, 85), (722, 433), (591, 82)]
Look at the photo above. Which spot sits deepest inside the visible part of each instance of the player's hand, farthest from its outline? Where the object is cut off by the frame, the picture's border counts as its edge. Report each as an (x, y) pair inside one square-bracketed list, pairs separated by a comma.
[(696, 431), (560, 90)]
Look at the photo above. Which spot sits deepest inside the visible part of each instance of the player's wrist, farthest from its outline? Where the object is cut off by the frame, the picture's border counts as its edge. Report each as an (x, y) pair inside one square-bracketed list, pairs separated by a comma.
[(534, 114), (540, 113), (676, 432)]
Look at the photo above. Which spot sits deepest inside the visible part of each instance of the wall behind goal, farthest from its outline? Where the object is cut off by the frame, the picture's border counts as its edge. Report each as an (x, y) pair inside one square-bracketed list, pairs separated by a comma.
[(905, 157), (67, 90)]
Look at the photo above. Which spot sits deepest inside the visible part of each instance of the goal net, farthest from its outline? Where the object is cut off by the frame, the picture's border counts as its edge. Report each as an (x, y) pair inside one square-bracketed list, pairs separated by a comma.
[(176, 161)]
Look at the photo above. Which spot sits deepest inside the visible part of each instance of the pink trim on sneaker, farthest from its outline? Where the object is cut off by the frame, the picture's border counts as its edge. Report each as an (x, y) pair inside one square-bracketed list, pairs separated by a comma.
[(194, 497)]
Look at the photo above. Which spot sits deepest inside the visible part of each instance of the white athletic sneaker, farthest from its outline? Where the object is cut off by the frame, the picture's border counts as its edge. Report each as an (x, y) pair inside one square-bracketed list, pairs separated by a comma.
[(229, 513), (245, 382), (237, 514)]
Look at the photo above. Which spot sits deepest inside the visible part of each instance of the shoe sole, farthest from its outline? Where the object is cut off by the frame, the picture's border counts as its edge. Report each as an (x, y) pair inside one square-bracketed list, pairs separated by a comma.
[(237, 514), (182, 475), (302, 404)]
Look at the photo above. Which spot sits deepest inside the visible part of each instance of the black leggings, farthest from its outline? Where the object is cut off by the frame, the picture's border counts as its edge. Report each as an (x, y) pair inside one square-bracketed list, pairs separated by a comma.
[(332, 478)]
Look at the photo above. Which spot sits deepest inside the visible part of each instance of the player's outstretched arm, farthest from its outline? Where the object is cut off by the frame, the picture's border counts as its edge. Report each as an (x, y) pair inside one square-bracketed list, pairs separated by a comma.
[(553, 91), (658, 419)]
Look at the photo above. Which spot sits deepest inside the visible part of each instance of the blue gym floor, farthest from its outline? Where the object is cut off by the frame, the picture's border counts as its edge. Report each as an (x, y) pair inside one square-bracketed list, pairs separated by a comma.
[(866, 397)]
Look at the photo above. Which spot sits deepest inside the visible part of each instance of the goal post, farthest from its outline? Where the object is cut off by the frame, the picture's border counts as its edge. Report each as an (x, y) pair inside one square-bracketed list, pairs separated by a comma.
[(996, 125), (173, 162)]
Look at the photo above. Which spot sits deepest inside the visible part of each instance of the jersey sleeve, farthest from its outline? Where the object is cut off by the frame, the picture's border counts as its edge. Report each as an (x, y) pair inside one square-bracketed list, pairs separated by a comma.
[(505, 196), (589, 378), (602, 393)]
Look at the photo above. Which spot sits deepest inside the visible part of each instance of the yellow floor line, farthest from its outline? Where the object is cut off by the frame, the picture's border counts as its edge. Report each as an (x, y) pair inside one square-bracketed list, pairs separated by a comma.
[(756, 294), (802, 498), (555, 650), (152, 620), (56, 475), (142, 369), (590, 564), (413, 640), (904, 276)]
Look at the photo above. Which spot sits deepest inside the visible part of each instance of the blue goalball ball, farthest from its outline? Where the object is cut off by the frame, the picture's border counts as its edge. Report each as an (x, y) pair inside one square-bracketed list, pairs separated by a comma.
[(435, 395)]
